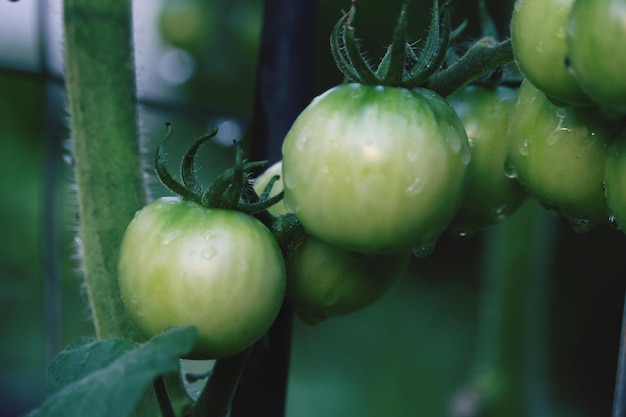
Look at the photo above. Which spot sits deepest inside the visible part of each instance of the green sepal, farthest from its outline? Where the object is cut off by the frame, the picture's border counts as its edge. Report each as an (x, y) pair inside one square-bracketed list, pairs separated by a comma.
[(187, 166), (163, 172), (392, 66)]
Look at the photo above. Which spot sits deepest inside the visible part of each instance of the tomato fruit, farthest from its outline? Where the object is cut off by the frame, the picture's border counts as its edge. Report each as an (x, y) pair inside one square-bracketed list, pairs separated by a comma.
[(559, 154), (324, 281), (220, 270), (615, 181), (538, 29), (596, 37), (375, 169), (491, 195)]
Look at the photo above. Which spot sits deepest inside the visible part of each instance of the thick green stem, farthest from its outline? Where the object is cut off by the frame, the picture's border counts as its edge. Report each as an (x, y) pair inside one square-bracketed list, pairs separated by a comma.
[(482, 58), (100, 82), (510, 367)]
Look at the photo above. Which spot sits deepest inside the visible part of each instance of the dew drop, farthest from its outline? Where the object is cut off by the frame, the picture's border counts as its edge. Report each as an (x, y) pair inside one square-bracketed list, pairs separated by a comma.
[(170, 237), (539, 47), (501, 213), (466, 156), (509, 169), (613, 222), (289, 181), (462, 234), (580, 225), (415, 186), (454, 140), (208, 254), (524, 148), (379, 88), (303, 139), (423, 250)]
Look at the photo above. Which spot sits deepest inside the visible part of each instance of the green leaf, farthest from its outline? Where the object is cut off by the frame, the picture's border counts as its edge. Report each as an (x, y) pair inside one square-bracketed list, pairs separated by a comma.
[(82, 357), (107, 378)]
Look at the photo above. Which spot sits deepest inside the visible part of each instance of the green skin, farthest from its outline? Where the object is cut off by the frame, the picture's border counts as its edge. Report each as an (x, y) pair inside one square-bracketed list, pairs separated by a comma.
[(375, 169), (220, 270), (538, 31), (596, 37), (559, 155), (615, 180), (491, 195), (323, 281)]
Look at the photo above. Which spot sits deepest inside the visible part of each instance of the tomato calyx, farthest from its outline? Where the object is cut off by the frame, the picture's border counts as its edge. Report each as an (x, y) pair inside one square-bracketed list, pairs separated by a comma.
[(230, 190), (403, 66)]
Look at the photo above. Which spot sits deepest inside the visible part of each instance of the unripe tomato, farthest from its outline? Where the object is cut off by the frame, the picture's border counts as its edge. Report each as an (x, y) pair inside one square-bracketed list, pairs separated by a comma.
[(375, 169), (491, 194), (324, 281), (538, 29), (219, 270), (596, 40), (559, 154)]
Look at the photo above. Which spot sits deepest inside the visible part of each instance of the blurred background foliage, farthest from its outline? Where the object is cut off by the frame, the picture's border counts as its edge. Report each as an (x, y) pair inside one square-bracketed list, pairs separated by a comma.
[(411, 354)]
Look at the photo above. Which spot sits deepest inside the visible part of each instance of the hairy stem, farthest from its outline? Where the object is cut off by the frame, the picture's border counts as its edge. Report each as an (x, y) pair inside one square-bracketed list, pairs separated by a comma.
[(100, 83), (482, 58)]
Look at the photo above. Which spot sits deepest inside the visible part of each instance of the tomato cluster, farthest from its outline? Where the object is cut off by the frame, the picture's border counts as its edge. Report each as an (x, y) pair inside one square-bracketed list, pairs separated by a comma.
[(563, 133), (377, 168)]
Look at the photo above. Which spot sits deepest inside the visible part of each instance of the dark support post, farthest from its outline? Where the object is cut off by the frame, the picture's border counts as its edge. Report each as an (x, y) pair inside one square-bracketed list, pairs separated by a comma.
[(284, 78)]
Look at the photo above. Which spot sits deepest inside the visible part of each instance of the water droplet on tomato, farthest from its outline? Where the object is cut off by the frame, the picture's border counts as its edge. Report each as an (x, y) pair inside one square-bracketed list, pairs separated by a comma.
[(613, 222), (415, 186), (422, 250), (171, 236), (454, 140), (509, 169), (379, 88), (208, 253), (462, 234), (501, 213), (524, 147), (580, 225), (303, 139)]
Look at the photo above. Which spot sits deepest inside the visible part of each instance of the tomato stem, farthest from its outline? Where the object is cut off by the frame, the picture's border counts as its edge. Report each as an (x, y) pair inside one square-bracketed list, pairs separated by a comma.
[(163, 398), (217, 395), (484, 56)]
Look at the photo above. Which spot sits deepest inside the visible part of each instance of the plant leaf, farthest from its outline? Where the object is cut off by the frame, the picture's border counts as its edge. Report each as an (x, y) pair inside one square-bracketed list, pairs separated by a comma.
[(107, 378)]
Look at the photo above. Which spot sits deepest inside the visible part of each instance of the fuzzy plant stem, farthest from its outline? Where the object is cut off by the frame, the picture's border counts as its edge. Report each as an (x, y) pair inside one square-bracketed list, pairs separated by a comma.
[(100, 83)]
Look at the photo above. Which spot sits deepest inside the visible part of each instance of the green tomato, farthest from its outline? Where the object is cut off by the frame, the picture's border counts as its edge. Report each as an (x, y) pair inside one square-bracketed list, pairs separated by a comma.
[(219, 270), (596, 38), (375, 169), (615, 181), (538, 30), (491, 195), (558, 155), (324, 281)]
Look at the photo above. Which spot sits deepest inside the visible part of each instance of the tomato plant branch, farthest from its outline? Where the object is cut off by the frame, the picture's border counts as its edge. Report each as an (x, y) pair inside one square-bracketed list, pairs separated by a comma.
[(217, 395), (101, 94), (483, 57)]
